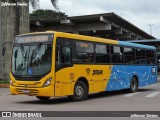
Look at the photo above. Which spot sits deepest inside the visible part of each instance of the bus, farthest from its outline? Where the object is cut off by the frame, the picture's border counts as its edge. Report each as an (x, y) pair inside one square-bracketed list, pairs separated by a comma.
[(53, 64)]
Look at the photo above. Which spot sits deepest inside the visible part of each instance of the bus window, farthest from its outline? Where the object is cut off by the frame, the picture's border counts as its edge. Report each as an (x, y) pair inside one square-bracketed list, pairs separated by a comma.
[(85, 52), (129, 55), (117, 56), (150, 57), (140, 57), (101, 54), (58, 56), (66, 55)]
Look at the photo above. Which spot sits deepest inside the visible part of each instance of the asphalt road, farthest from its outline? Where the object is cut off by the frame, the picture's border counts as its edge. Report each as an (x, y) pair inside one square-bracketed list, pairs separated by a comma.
[(146, 99)]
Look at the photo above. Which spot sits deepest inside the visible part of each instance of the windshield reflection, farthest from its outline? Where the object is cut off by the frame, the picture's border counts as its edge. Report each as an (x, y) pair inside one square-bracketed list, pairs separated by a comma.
[(31, 59)]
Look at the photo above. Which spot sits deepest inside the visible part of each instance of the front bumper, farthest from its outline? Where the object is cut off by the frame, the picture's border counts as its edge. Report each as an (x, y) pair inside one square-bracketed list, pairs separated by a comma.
[(44, 91)]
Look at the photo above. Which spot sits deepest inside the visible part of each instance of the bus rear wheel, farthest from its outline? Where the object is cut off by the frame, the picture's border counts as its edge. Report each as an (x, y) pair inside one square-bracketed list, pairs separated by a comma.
[(80, 91), (133, 85), (42, 98)]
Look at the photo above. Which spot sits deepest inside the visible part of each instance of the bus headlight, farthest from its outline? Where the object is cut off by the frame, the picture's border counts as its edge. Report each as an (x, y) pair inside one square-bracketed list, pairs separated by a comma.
[(11, 83), (47, 82)]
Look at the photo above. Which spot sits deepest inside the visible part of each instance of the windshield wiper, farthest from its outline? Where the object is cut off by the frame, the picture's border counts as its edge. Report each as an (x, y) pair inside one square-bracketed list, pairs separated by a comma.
[(37, 49), (22, 49)]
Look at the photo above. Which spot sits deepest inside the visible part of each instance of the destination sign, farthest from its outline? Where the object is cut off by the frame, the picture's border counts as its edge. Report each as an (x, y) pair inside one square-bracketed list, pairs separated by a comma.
[(33, 38)]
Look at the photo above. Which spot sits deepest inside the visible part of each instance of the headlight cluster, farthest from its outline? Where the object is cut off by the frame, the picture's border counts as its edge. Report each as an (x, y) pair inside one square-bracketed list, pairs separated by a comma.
[(47, 82), (12, 82)]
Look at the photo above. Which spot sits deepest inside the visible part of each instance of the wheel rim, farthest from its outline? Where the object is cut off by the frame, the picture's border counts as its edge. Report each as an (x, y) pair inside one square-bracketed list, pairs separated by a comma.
[(79, 91)]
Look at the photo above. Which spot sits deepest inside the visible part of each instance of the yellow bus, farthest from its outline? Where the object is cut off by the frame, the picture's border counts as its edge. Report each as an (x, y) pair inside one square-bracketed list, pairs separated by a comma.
[(51, 64)]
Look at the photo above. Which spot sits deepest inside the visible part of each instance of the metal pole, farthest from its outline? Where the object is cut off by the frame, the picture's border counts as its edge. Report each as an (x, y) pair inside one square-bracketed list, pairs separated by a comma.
[(150, 26)]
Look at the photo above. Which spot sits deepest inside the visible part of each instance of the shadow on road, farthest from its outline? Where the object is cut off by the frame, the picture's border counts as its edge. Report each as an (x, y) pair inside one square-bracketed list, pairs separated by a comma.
[(64, 100), (48, 102)]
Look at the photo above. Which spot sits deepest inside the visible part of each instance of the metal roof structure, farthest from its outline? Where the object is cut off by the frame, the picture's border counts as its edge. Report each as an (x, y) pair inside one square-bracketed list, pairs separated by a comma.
[(108, 25)]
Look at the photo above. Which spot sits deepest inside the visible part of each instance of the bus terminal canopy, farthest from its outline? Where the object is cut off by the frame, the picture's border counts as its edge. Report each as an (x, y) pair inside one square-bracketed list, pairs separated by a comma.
[(108, 25)]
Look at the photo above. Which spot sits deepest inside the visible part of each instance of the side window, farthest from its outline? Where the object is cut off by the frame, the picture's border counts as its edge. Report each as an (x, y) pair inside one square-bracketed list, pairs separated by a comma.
[(85, 52), (65, 55), (150, 57), (58, 61), (140, 56), (117, 56), (102, 55), (129, 55)]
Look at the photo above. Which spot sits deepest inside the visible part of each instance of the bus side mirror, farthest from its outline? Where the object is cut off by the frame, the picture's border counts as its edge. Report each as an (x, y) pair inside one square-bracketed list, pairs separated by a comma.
[(3, 51), (15, 54)]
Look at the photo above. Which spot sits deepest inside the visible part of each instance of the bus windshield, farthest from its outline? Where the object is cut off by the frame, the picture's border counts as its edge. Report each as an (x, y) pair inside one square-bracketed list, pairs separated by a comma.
[(31, 59)]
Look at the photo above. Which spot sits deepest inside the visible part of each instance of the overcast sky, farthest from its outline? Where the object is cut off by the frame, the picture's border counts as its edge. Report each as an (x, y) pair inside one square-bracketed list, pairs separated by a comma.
[(141, 13)]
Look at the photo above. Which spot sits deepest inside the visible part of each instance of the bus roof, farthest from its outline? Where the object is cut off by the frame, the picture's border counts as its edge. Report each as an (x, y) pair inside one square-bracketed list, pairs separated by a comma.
[(145, 41), (93, 39)]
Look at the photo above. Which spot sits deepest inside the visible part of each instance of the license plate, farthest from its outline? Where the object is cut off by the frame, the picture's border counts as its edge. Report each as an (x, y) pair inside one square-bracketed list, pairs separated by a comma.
[(26, 91)]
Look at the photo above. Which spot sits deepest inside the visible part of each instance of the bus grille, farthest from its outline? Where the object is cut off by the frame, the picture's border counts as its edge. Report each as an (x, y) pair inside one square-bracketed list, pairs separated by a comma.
[(30, 91)]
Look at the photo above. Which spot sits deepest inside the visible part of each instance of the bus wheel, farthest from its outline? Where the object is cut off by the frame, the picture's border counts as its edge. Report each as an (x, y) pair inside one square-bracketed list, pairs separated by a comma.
[(80, 91), (43, 98), (133, 85)]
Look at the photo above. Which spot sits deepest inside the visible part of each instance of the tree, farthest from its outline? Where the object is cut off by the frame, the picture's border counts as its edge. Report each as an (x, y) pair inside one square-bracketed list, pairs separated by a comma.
[(35, 4), (46, 14)]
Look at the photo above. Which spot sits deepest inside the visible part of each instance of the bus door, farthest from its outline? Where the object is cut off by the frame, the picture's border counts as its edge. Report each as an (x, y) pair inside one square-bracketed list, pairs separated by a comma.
[(64, 68)]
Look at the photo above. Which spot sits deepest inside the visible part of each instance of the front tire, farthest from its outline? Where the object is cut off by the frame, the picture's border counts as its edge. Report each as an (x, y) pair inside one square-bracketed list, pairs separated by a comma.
[(80, 91), (42, 98), (133, 85)]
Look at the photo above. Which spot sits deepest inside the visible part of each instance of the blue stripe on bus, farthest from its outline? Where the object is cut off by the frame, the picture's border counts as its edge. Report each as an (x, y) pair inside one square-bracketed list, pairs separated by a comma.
[(136, 45), (121, 76)]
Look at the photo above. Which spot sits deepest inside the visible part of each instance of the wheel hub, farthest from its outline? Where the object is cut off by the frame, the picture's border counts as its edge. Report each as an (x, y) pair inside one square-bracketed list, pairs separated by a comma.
[(79, 91)]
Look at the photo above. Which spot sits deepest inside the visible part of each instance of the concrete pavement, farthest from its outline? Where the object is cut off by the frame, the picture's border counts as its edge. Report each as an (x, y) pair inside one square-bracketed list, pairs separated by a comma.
[(4, 91)]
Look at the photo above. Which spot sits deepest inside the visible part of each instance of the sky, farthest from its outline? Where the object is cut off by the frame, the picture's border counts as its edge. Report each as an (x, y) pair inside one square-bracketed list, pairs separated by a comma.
[(144, 14)]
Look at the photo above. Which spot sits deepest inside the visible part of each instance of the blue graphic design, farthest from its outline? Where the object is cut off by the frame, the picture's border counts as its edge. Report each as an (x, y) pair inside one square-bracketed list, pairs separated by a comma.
[(121, 76), (30, 71)]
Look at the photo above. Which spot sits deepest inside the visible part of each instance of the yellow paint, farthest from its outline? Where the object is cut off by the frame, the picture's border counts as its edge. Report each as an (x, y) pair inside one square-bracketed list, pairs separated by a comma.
[(88, 38), (33, 85), (96, 82)]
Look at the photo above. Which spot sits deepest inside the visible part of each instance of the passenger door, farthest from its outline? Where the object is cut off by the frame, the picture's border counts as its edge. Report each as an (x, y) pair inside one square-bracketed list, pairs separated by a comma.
[(63, 83)]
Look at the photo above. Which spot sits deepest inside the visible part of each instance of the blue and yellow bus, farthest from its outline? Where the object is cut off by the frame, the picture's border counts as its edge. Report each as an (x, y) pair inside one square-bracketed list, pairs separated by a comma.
[(51, 64)]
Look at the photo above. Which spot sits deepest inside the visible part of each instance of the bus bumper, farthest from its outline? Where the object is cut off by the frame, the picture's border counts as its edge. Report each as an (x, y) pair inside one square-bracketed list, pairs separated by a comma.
[(44, 91)]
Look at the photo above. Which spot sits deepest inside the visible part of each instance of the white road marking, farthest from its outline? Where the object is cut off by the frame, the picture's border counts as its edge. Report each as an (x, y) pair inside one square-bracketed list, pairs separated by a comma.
[(131, 94), (21, 109), (153, 94)]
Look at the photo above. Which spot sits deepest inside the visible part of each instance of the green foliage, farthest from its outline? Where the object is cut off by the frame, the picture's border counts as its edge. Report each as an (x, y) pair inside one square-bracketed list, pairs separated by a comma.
[(46, 14), (4, 81)]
